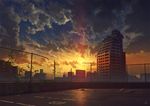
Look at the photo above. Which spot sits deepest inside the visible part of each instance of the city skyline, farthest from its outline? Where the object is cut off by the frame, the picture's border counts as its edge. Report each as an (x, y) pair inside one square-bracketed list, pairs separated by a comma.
[(111, 48)]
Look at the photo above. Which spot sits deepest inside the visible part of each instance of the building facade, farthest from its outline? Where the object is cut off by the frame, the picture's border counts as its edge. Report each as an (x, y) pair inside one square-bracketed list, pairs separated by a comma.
[(80, 75), (40, 75), (111, 64), (70, 75)]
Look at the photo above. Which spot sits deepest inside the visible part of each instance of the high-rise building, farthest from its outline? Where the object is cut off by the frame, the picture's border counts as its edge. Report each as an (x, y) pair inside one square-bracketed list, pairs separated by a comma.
[(111, 58), (91, 76)]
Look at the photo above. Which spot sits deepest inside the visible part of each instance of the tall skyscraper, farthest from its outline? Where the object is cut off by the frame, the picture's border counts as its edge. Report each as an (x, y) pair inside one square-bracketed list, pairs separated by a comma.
[(111, 64)]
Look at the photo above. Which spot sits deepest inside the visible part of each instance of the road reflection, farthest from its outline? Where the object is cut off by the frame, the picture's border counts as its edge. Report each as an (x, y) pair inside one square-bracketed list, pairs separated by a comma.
[(81, 97)]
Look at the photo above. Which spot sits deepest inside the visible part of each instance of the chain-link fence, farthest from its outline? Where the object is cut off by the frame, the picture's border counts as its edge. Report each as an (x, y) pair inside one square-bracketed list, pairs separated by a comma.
[(138, 72)]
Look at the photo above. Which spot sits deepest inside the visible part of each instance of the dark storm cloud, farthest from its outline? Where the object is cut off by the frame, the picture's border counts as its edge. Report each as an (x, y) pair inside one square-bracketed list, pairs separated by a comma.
[(49, 19), (131, 17), (52, 24), (139, 22), (101, 17), (31, 18), (100, 13), (9, 32), (9, 27)]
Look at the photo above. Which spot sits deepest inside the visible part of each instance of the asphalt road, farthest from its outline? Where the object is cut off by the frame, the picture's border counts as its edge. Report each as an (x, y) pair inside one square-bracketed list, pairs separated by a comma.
[(81, 97)]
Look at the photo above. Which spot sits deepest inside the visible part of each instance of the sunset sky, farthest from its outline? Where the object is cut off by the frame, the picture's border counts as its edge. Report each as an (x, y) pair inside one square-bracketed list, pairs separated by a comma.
[(70, 31)]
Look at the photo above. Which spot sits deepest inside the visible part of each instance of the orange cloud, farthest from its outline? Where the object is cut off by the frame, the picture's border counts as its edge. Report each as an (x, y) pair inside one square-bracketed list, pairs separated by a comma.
[(138, 58)]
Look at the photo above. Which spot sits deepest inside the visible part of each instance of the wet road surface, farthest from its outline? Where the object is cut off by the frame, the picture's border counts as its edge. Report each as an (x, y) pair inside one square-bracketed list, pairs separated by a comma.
[(81, 97)]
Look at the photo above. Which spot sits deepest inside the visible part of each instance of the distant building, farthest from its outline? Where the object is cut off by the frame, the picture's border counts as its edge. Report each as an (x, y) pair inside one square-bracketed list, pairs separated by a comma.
[(40, 76), (7, 71), (70, 75), (80, 75), (27, 75), (64, 75), (111, 58), (91, 76)]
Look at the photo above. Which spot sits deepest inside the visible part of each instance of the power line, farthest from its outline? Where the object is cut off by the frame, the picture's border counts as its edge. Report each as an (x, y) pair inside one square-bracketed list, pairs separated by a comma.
[(139, 64), (31, 62), (23, 51)]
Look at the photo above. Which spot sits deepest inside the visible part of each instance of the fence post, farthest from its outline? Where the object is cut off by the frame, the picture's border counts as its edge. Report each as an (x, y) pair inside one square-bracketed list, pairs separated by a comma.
[(145, 73)]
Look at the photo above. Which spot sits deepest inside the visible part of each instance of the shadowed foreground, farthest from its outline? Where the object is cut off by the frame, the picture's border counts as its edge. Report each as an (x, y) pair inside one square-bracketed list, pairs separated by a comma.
[(21, 88), (81, 97)]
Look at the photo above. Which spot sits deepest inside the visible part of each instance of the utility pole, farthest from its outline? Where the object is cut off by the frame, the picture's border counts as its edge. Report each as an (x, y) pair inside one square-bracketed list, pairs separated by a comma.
[(54, 69), (31, 67)]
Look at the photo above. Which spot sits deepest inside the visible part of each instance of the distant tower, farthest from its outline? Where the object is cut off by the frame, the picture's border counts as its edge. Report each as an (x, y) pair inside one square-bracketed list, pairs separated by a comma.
[(111, 58)]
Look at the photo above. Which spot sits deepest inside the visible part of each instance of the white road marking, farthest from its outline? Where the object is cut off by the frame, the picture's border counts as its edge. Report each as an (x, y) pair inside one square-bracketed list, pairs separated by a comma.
[(66, 99), (11, 102), (23, 104), (5, 101), (40, 97)]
